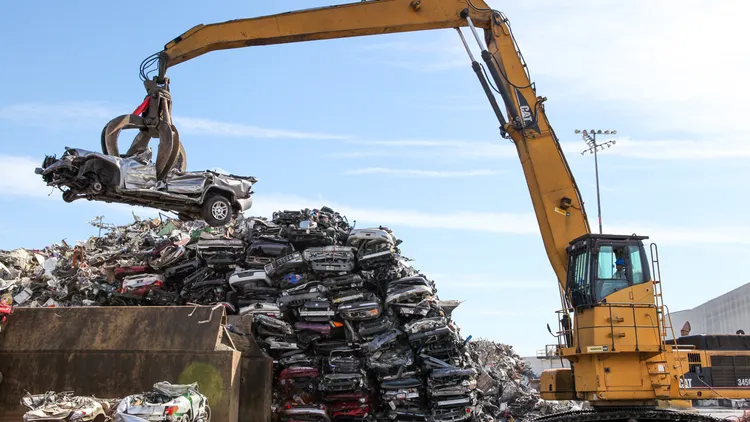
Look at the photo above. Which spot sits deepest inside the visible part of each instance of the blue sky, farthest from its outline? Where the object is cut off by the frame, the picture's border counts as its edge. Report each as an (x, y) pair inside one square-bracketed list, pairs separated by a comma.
[(394, 130)]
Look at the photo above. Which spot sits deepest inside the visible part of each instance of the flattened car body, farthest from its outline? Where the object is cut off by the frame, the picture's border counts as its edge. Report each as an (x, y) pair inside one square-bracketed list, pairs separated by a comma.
[(132, 180), (166, 403), (61, 407)]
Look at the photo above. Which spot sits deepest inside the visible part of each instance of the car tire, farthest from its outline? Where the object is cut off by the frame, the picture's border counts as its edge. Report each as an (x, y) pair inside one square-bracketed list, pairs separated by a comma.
[(217, 210), (69, 196)]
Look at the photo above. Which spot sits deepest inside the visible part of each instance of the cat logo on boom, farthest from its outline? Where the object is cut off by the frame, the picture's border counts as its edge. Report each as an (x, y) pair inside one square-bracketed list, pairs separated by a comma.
[(527, 115), (686, 383)]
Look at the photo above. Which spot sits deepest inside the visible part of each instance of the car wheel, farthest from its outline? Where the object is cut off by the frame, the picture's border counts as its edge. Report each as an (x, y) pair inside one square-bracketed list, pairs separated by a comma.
[(68, 196), (97, 187), (217, 210)]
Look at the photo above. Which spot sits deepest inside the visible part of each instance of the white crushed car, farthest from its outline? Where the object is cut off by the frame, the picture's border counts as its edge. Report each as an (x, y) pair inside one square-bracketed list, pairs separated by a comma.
[(52, 406), (168, 402), (208, 195)]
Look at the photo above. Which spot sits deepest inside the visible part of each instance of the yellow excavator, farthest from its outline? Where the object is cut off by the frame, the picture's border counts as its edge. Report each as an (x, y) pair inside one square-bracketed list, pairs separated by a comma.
[(613, 326)]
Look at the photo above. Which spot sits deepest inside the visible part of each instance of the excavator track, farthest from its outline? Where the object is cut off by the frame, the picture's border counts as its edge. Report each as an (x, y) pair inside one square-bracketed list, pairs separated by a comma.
[(635, 414)]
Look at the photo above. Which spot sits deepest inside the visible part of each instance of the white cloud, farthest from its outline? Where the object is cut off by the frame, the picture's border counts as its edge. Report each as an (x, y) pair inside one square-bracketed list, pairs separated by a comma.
[(62, 115), (670, 65), (212, 127), (656, 150), (360, 154), (422, 173), (418, 56), (427, 143), (72, 114), (434, 148), (509, 223), (17, 177), (68, 115), (426, 66), (721, 233), (413, 47)]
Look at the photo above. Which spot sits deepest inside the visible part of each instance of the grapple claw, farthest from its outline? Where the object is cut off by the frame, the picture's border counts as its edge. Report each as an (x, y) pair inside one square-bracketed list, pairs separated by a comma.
[(111, 134), (153, 120), (168, 149)]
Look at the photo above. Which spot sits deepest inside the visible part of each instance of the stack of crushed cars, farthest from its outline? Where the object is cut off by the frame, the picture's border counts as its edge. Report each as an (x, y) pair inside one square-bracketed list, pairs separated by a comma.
[(355, 332)]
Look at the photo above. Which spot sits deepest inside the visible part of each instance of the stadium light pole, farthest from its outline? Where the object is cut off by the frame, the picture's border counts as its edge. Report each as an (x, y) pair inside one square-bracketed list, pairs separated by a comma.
[(590, 138)]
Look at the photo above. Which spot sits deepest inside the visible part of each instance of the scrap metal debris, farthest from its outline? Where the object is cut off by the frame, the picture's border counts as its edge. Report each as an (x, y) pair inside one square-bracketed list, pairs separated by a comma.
[(167, 402), (354, 330), (65, 406), (504, 379)]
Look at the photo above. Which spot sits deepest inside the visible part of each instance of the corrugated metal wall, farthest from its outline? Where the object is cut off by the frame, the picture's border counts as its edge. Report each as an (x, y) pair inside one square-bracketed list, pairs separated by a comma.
[(724, 314)]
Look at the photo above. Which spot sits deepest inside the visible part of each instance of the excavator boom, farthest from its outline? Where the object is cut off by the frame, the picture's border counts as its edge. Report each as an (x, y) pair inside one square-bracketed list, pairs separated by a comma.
[(340, 21), (554, 194)]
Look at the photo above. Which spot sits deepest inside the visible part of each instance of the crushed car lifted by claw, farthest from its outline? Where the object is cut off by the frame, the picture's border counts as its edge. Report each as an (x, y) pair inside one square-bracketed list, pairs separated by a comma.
[(207, 195)]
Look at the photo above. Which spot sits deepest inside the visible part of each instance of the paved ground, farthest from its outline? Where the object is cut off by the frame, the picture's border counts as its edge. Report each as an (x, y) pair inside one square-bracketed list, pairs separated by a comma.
[(721, 412)]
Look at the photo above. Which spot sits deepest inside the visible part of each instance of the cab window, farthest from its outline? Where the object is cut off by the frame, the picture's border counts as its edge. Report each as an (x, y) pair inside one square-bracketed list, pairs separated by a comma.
[(636, 265), (611, 273), (579, 271)]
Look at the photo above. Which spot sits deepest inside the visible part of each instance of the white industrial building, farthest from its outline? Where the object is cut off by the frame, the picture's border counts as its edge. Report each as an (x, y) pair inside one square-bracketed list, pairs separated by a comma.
[(540, 364), (722, 315)]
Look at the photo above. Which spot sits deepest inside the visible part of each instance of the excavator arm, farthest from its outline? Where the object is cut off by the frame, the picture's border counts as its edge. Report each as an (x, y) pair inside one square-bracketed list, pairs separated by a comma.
[(554, 194)]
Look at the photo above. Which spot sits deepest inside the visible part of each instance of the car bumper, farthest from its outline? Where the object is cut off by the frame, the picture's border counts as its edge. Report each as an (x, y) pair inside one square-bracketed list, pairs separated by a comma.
[(245, 204)]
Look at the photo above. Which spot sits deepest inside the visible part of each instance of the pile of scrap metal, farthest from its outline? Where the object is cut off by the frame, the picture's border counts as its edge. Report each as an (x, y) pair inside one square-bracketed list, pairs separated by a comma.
[(354, 330), (167, 402), (504, 379)]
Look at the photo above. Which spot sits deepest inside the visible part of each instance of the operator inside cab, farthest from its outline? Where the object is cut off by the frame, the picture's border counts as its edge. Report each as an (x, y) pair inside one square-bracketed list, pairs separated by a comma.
[(612, 276), (604, 264), (614, 273)]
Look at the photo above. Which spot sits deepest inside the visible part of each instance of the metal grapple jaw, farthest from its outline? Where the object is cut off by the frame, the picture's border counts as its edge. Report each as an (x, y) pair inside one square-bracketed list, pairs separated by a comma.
[(153, 119)]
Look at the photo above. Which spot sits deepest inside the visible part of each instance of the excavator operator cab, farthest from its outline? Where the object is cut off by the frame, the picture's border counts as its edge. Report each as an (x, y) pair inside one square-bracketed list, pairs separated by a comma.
[(601, 264)]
